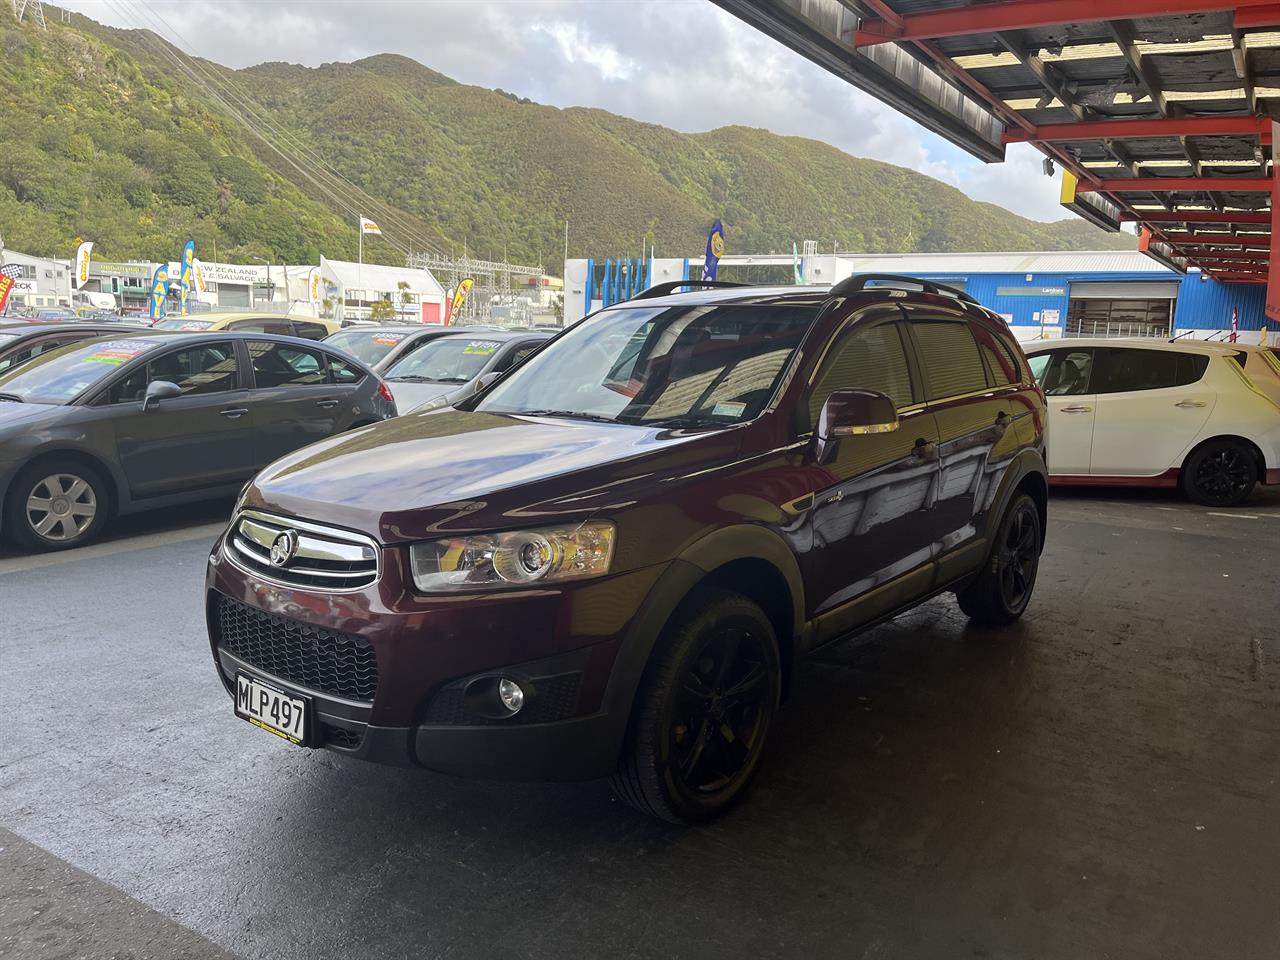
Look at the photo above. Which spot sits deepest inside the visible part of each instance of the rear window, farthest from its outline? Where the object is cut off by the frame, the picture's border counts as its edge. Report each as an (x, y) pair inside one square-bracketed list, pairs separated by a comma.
[(952, 364), (183, 323), (1119, 370), (369, 346)]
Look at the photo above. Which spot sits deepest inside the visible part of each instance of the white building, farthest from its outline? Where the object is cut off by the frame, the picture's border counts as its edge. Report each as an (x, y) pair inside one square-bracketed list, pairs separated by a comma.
[(354, 288), (43, 282)]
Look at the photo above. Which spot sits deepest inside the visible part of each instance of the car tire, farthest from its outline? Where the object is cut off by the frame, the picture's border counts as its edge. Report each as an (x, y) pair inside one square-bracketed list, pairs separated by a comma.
[(1220, 473), (65, 497), (685, 760), (1002, 589)]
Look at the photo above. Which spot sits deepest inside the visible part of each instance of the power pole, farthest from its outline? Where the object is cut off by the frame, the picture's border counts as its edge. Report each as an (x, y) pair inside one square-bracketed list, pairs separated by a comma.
[(35, 6)]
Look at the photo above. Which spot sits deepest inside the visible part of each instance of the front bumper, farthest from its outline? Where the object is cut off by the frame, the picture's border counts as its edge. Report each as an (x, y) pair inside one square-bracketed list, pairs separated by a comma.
[(562, 645)]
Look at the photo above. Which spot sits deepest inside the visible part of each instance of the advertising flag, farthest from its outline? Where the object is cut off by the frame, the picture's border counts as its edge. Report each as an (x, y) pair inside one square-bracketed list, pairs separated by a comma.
[(1235, 325), (368, 226), (459, 298), (159, 291), (8, 273), (197, 270), (715, 250), (313, 285), (185, 278), (82, 263)]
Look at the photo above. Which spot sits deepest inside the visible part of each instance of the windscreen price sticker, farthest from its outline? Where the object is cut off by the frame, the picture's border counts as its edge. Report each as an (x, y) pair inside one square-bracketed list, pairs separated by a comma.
[(480, 347), (388, 339), (116, 352)]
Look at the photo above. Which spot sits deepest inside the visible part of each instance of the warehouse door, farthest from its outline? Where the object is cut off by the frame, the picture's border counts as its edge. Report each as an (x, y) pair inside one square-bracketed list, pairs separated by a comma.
[(1125, 309)]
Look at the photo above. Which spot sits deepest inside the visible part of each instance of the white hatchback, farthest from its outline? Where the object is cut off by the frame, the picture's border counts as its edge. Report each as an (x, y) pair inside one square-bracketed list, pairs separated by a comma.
[(1157, 414)]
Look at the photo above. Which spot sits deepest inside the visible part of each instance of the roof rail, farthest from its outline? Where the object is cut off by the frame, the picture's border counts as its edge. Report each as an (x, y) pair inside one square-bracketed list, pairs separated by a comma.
[(671, 286), (858, 282)]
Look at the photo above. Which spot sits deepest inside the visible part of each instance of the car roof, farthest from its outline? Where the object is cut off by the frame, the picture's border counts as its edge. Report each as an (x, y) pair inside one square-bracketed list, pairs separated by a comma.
[(34, 328), (503, 336), (1133, 343), (376, 328), (198, 336), (217, 315)]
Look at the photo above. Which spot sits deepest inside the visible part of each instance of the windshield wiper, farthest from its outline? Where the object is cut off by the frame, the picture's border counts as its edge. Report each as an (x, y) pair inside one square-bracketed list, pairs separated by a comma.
[(565, 414), (11, 397), (686, 420), (413, 378)]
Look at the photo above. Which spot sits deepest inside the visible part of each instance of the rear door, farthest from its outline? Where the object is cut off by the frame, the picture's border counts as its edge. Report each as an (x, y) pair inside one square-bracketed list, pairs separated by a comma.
[(872, 516), (973, 418), (1151, 405), (1066, 376), (292, 400), (200, 439)]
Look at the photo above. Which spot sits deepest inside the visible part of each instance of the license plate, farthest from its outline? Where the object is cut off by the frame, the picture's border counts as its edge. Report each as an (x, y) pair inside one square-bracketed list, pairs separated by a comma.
[(271, 709)]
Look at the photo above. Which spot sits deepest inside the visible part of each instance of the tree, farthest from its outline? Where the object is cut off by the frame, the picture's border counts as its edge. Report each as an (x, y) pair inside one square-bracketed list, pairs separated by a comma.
[(382, 310)]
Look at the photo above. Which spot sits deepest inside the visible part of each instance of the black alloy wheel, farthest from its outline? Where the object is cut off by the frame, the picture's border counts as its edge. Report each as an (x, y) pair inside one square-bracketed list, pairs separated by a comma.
[(1000, 592), (703, 710), (1222, 473)]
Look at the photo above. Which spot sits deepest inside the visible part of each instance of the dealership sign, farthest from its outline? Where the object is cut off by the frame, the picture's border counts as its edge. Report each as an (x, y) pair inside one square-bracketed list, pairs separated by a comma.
[(1031, 291)]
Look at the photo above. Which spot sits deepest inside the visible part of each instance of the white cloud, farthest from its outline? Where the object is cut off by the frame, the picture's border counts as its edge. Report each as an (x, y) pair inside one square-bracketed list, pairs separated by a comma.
[(686, 64)]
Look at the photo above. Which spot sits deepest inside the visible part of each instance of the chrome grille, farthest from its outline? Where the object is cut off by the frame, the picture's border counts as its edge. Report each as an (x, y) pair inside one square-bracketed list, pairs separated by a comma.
[(321, 557)]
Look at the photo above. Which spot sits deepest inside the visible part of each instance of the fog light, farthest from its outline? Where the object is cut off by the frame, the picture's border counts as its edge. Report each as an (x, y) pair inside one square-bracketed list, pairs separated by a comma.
[(511, 695)]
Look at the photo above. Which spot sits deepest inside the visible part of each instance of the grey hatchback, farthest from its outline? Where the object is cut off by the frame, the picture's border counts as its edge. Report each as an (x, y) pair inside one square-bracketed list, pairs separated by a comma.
[(122, 424)]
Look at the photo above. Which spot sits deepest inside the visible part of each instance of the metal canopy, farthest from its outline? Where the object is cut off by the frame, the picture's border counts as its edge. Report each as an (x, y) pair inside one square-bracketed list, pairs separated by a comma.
[(1158, 111)]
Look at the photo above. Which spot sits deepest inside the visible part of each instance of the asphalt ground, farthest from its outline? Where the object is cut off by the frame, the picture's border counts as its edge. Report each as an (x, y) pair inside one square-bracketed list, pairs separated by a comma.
[(1098, 781)]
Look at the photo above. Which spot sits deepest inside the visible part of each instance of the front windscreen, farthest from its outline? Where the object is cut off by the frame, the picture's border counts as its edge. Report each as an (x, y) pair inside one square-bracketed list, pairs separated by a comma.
[(183, 323), (446, 360), (367, 345), (695, 365), (60, 376)]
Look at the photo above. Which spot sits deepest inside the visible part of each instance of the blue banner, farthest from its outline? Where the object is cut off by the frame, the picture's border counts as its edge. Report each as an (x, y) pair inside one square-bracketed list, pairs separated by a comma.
[(159, 291), (715, 250), (185, 280)]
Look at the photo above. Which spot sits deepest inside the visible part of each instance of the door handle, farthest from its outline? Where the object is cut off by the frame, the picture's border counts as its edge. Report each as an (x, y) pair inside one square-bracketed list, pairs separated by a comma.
[(232, 413), (326, 404), (1079, 408), (1189, 404), (925, 450)]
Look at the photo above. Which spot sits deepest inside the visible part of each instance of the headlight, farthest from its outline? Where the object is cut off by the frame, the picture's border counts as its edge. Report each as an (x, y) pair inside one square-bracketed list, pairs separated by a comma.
[(436, 404), (545, 555)]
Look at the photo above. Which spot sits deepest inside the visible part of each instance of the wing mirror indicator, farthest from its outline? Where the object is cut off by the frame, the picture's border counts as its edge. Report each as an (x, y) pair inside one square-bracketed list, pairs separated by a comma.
[(853, 413), (158, 390)]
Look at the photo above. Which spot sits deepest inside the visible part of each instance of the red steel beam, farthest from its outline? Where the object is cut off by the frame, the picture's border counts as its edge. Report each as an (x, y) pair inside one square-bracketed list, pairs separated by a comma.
[(1195, 216), (1166, 184), (1271, 306), (1258, 241), (1140, 127), (1028, 14), (1268, 16), (1201, 253), (1239, 277)]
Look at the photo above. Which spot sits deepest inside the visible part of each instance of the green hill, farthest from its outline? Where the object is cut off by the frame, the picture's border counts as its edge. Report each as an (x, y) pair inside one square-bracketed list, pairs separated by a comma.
[(106, 138)]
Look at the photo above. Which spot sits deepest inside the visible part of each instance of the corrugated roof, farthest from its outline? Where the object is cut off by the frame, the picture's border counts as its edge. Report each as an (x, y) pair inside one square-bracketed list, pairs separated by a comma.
[(1062, 261), (374, 276)]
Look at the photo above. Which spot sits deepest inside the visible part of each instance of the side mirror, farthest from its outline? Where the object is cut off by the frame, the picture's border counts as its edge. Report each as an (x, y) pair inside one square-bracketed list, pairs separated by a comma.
[(158, 390), (486, 380), (853, 413)]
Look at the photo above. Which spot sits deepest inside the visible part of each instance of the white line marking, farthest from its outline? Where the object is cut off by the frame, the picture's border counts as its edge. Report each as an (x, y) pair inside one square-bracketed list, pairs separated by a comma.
[(37, 561), (1237, 516)]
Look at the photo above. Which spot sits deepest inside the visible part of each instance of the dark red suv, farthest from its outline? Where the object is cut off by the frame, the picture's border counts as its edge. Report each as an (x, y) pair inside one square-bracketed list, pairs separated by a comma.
[(607, 563)]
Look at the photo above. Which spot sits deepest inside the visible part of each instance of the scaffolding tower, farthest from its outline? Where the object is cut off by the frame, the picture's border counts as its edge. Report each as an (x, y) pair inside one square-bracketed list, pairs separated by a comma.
[(493, 286)]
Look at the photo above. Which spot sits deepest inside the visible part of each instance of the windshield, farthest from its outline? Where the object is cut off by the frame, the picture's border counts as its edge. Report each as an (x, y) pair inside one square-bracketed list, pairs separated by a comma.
[(446, 360), (60, 376), (183, 323), (701, 365), (367, 345)]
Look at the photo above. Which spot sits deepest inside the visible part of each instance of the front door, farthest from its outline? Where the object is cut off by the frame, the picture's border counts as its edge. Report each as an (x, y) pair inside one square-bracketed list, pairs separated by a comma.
[(1066, 376), (1151, 405), (201, 439), (872, 518)]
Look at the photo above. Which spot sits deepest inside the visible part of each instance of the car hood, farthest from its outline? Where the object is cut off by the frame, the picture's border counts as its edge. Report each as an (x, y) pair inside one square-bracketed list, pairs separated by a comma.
[(410, 395), (18, 417), (457, 471)]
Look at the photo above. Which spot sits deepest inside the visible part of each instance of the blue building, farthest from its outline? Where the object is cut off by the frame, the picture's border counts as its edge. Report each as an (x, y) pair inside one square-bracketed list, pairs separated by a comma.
[(1042, 295)]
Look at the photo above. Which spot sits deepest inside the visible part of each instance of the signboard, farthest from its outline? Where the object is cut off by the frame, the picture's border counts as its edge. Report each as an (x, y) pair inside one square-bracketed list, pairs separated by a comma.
[(1050, 317), (1031, 291)]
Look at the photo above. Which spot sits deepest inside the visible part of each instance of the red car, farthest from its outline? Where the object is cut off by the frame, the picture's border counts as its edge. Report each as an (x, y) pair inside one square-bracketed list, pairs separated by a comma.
[(608, 562)]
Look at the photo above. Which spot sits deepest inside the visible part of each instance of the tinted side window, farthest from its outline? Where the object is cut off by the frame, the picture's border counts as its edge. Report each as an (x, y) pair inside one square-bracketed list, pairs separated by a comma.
[(870, 358), (282, 364), (131, 389), (264, 325), (515, 356), (952, 364), (999, 355), (209, 368), (342, 371), (1068, 373), (310, 331), (1120, 370)]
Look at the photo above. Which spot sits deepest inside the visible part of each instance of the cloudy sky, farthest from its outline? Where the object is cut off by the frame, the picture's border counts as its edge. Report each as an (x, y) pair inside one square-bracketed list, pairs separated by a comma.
[(682, 63)]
